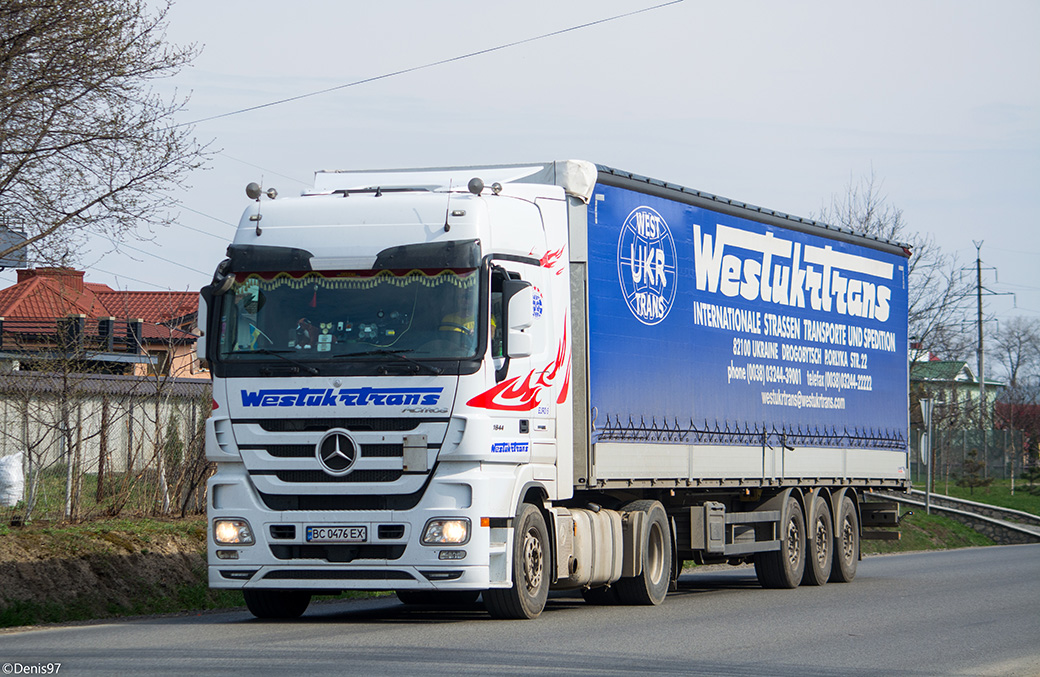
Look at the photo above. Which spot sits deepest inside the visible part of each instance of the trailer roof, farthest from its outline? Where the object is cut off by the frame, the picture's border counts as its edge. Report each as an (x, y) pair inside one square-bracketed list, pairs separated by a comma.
[(672, 191), (577, 178)]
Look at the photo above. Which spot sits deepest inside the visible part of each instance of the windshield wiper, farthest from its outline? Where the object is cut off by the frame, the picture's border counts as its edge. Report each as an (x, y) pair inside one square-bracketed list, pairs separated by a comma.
[(436, 371), (278, 353)]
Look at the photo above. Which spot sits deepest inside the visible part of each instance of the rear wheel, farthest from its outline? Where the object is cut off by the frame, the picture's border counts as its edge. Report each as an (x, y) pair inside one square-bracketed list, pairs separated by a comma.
[(846, 545), (820, 544), (526, 598), (651, 585), (438, 597), (277, 603), (784, 568)]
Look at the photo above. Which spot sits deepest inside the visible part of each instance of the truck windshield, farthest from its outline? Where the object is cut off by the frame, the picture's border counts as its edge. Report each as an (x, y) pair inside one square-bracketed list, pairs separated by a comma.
[(427, 314)]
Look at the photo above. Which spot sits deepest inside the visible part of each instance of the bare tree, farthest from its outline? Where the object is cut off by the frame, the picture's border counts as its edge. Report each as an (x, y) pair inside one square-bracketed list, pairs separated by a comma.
[(938, 292), (1018, 348), (86, 145)]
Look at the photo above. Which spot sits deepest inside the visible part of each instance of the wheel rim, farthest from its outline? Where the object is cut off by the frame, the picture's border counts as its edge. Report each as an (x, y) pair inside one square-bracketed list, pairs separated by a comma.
[(793, 542), (822, 541), (847, 540), (533, 559), (655, 553)]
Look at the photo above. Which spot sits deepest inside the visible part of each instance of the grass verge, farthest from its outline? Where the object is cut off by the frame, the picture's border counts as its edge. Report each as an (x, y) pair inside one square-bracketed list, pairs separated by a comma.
[(921, 531), (998, 493), (107, 568)]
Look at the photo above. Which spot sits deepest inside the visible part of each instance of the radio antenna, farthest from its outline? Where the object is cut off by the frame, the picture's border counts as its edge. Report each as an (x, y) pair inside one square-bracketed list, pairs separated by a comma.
[(447, 207)]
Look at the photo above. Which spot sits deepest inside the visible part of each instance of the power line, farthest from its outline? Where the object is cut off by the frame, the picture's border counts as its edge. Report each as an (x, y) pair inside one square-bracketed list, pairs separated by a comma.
[(264, 169), (181, 205), (432, 64), (199, 230), (127, 277), (161, 258)]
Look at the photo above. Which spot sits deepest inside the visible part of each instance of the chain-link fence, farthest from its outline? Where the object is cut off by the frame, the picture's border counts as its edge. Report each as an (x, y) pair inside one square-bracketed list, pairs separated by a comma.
[(987, 454)]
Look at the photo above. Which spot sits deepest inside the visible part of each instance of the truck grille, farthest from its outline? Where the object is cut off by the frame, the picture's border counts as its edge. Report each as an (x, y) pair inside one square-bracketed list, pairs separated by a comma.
[(339, 574), (285, 425), (307, 450), (338, 553), (317, 476), (312, 502), (280, 456)]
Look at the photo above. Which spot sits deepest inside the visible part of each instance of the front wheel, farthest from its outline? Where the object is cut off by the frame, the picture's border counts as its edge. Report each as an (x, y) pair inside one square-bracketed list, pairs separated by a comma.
[(526, 598), (282, 604)]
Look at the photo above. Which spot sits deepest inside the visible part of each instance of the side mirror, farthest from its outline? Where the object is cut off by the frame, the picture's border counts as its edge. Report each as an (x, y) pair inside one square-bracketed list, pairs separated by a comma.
[(519, 298), (203, 317)]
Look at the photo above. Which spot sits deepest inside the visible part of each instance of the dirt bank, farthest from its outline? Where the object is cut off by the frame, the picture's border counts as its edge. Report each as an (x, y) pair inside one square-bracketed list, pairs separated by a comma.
[(56, 573)]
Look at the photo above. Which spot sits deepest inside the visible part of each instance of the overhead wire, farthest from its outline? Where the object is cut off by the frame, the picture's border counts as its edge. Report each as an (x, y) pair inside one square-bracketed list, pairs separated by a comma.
[(161, 258), (356, 83), (432, 64)]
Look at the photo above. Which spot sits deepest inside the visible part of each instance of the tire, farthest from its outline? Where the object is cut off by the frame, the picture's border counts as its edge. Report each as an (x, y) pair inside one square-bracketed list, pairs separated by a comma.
[(846, 544), (282, 604), (531, 557), (784, 568), (601, 596), (650, 587), (819, 538), (444, 598)]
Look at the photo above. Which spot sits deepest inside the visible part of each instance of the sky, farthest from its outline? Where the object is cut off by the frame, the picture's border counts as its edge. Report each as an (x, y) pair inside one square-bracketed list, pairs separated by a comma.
[(778, 104)]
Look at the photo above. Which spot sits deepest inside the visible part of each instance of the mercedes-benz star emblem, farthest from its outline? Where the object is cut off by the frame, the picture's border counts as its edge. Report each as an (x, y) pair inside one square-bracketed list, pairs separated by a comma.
[(337, 452)]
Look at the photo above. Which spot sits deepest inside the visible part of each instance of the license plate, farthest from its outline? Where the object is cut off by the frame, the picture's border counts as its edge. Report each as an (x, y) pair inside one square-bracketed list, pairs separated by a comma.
[(337, 534)]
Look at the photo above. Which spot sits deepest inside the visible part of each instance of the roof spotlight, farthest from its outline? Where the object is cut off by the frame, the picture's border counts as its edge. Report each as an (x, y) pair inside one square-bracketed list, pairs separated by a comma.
[(254, 191)]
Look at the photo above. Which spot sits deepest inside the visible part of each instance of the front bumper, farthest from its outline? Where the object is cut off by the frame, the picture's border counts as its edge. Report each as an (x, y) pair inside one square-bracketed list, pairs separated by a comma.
[(391, 558)]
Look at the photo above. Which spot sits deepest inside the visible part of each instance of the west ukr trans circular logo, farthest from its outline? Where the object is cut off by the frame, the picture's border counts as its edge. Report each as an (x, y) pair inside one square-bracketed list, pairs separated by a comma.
[(646, 265)]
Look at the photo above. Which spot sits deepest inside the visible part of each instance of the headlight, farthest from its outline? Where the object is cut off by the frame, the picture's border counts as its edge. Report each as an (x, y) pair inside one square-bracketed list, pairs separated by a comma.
[(232, 532), (441, 531)]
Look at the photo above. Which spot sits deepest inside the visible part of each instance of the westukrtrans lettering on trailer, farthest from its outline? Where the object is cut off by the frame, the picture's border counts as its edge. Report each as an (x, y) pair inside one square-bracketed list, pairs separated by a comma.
[(697, 315)]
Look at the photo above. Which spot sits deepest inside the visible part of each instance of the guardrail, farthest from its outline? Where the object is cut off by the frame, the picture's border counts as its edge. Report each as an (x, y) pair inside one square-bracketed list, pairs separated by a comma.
[(1004, 525)]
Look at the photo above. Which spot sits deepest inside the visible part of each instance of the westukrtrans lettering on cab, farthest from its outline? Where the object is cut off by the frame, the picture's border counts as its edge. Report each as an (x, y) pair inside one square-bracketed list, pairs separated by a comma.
[(349, 397)]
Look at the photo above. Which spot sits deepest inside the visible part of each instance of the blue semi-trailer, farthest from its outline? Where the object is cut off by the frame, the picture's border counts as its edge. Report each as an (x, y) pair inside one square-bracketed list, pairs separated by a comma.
[(500, 380)]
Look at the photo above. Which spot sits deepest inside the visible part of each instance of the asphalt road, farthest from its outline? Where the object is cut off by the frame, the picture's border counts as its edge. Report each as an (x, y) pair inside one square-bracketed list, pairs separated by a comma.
[(964, 612)]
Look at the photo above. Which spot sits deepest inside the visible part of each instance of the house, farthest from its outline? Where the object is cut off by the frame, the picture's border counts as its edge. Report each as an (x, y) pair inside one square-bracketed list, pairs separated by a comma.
[(954, 390), (54, 314)]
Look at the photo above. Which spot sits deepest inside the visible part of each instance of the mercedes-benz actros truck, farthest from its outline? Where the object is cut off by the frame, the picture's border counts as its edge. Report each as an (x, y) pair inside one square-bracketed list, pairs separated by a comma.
[(499, 381)]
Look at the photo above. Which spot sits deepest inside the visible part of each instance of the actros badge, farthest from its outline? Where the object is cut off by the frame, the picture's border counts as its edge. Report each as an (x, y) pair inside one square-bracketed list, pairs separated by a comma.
[(646, 265)]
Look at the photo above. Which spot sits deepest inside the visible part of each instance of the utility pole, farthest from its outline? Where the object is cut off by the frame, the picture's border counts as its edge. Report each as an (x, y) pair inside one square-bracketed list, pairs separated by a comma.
[(981, 350), (982, 374), (981, 354)]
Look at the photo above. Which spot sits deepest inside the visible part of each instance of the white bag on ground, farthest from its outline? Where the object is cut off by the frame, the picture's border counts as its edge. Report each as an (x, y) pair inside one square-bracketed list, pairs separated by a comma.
[(12, 481)]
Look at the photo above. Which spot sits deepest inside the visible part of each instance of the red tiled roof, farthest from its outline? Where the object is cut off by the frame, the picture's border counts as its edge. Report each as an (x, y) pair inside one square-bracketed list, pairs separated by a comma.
[(59, 292), (150, 306), (49, 296)]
